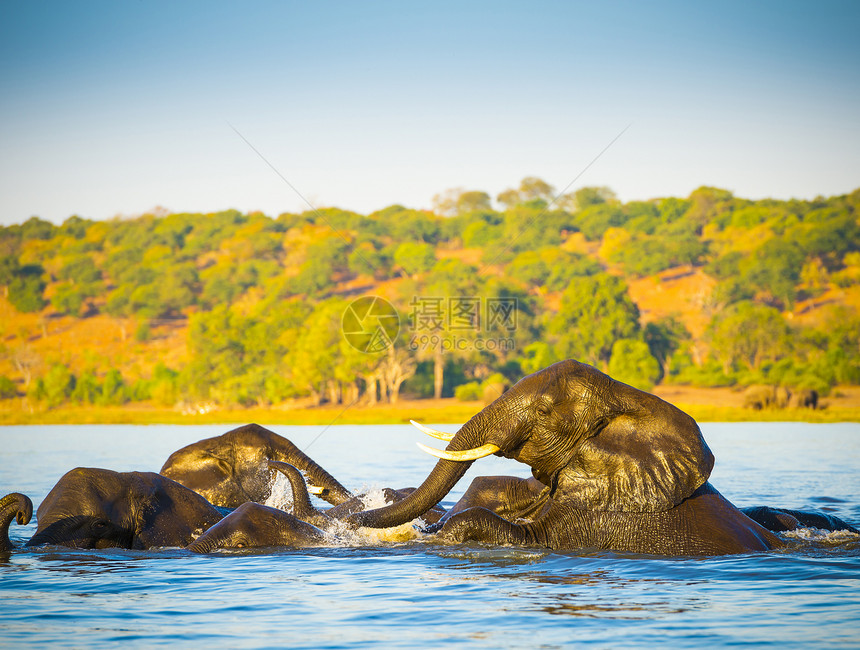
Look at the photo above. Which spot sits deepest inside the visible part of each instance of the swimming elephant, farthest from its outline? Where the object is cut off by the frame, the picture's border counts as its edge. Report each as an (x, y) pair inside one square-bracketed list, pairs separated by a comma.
[(256, 525), (625, 471), (100, 508), (781, 519), (230, 469), (253, 525), (15, 506)]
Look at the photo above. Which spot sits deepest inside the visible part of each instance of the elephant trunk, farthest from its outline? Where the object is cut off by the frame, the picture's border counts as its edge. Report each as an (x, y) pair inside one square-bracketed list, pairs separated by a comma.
[(332, 490), (302, 506), (438, 483), (13, 506), (204, 545)]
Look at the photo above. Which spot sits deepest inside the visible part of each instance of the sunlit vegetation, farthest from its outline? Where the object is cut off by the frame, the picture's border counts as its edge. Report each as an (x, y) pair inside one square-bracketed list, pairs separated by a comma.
[(245, 309)]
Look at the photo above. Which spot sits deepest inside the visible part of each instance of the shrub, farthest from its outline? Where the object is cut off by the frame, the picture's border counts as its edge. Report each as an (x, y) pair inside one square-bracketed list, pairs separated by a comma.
[(470, 392), (8, 389)]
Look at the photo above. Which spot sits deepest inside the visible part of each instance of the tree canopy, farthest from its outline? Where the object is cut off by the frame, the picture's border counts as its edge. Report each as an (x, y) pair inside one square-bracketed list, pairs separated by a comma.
[(499, 288)]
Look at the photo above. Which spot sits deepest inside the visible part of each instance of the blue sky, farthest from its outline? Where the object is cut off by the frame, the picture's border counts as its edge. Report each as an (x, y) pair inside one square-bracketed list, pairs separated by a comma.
[(113, 108)]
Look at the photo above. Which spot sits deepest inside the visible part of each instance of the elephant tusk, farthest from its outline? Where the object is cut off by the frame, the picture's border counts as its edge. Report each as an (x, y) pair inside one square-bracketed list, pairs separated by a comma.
[(465, 455), (433, 433), (313, 489)]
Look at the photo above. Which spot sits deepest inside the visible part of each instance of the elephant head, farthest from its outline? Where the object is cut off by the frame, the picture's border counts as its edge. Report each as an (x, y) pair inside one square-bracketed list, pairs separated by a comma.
[(230, 469), (100, 508), (253, 525), (599, 444)]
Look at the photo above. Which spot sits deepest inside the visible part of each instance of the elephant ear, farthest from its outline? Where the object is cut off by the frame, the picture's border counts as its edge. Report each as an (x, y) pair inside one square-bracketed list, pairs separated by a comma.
[(166, 512), (639, 462)]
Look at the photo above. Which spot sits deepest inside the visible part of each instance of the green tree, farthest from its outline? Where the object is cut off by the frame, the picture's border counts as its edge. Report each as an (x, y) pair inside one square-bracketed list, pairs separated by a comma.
[(25, 289), (633, 363), (80, 269), (508, 198), (87, 389), (592, 195), (537, 356), (595, 312), (67, 299), (532, 188), (595, 219), (8, 389), (414, 257), (664, 337), (473, 201), (748, 333), (58, 384), (114, 390), (313, 360), (367, 259), (164, 385)]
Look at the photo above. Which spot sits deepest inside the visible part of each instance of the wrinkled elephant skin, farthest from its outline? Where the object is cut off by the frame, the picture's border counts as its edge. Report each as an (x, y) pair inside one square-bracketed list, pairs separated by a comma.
[(626, 471), (253, 525), (100, 508), (230, 469)]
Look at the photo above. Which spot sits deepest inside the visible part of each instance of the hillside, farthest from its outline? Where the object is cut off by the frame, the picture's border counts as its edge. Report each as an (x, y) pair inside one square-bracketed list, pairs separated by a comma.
[(233, 310)]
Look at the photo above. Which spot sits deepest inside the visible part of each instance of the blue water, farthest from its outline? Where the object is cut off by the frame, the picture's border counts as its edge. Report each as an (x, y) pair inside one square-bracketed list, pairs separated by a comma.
[(421, 594)]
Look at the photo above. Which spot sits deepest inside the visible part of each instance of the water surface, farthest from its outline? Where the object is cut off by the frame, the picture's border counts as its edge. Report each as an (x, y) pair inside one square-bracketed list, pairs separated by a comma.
[(423, 594)]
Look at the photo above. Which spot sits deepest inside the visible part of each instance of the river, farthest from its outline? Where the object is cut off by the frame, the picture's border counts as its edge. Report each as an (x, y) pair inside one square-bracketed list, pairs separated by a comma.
[(418, 594)]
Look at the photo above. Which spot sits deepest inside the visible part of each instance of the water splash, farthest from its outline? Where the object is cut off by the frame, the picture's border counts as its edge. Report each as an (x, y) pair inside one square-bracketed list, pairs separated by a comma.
[(822, 535), (374, 497), (281, 493)]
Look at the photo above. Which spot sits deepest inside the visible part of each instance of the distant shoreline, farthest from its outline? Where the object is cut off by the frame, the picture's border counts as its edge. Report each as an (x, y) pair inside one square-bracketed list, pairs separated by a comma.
[(703, 404)]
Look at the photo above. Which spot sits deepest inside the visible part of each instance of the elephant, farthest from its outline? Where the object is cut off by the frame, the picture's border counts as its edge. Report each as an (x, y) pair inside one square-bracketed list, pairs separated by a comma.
[(254, 525), (804, 398), (507, 496), (230, 469), (761, 397), (781, 519), (15, 506), (514, 498), (625, 471), (99, 508)]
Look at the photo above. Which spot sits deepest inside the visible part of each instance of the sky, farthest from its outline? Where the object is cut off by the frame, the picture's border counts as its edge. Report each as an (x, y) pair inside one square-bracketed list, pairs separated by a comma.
[(115, 108)]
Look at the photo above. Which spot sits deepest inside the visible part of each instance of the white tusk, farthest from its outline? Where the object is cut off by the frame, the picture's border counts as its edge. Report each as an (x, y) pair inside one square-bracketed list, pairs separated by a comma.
[(467, 454), (433, 433), (313, 489)]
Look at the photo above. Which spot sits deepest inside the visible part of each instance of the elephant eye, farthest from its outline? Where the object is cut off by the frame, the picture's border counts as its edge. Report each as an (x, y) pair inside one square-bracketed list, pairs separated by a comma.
[(543, 408)]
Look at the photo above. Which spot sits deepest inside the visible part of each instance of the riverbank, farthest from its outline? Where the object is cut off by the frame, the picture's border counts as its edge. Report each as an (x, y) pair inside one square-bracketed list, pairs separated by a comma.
[(704, 404)]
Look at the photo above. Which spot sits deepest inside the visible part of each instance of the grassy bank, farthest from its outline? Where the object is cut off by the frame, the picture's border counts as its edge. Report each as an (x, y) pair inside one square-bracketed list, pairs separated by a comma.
[(712, 406)]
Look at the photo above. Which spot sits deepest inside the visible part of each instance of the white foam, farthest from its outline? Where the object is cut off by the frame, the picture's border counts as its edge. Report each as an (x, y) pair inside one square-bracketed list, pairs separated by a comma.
[(822, 535), (373, 497), (281, 496)]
